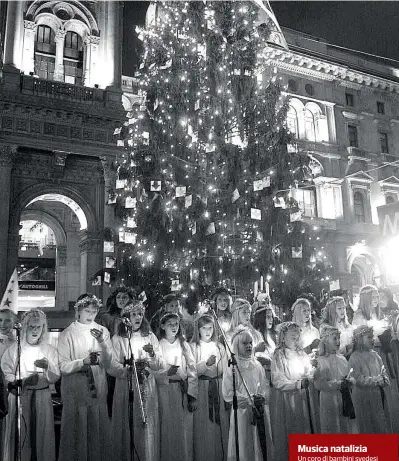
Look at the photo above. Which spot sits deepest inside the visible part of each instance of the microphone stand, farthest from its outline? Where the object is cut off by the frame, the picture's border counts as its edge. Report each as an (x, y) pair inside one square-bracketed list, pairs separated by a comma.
[(18, 407), (130, 363), (234, 368)]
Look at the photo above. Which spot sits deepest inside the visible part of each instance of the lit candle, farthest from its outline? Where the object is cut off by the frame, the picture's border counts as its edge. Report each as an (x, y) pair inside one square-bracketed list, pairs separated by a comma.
[(267, 288), (261, 283), (255, 290)]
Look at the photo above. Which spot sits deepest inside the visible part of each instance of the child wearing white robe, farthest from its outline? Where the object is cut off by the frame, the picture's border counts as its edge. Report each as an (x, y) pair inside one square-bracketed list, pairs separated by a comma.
[(333, 381), (177, 391), (250, 444), (148, 360), (291, 374), (7, 321), (38, 368), (84, 350), (211, 419), (371, 404)]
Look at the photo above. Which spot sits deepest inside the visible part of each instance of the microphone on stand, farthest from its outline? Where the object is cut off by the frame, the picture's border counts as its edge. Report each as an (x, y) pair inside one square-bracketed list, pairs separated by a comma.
[(17, 326), (127, 322)]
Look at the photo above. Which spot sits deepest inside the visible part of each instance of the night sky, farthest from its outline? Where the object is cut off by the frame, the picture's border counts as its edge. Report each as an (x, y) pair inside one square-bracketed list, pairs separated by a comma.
[(368, 26)]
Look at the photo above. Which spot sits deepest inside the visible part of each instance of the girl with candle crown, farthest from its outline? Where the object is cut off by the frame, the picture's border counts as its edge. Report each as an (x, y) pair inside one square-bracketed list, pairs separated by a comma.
[(332, 378), (250, 444), (241, 315), (302, 316), (139, 340), (177, 390), (369, 399), (39, 368), (211, 419), (291, 374), (85, 352), (266, 322), (334, 315)]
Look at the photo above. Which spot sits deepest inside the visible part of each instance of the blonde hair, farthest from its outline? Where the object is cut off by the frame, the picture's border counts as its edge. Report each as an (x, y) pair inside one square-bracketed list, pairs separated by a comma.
[(238, 304), (365, 299), (283, 329), (296, 310), (329, 313), (325, 333), (34, 314), (237, 334)]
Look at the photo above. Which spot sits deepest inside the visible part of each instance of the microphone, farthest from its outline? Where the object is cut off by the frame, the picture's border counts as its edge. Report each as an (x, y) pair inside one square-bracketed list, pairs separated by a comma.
[(17, 326), (127, 322)]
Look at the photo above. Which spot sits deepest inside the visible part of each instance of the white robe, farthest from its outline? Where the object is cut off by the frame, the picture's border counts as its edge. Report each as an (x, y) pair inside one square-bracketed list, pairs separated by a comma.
[(248, 437), (36, 404), (85, 427), (372, 416), (210, 437), (289, 403), (176, 420), (331, 369), (146, 439), (5, 342)]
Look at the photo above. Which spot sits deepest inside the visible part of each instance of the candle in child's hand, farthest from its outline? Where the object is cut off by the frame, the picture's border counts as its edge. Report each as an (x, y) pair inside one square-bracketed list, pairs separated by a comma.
[(175, 360)]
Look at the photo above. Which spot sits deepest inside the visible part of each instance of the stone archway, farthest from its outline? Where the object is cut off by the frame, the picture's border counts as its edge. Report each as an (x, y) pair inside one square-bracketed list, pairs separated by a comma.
[(363, 265), (78, 195)]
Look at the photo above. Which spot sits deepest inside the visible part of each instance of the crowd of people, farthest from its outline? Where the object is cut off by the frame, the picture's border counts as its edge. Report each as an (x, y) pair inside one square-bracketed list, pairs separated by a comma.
[(161, 389)]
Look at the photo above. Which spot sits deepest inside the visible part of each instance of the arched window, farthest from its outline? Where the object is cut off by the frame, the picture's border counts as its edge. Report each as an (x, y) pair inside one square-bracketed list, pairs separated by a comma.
[(45, 52), (292, 121), (358, 201), (310, 125), (73, 58)]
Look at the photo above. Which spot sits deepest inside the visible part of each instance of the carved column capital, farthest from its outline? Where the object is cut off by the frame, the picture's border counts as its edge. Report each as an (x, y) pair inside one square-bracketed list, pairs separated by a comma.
[(90, 242), (61, 255), (7, 154), (60, 36), (109, 172), (91, 40), (30, 26)]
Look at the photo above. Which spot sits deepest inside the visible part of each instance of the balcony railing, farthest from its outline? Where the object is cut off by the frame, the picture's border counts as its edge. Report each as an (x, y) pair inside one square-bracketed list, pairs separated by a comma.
[(60, 90), (357, 152)]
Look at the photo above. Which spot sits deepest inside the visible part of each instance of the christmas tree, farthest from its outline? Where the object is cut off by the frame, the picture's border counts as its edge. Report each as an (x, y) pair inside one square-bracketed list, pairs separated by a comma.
[(206, 184)]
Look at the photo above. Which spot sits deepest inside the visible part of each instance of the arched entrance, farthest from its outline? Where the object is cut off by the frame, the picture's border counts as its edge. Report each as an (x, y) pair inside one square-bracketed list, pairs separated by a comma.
[(363, 266), (67, 249)]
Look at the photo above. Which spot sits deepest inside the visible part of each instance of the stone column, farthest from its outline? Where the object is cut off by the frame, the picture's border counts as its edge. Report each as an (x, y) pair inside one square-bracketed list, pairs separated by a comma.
[(7, 154), (61, 287), (90, 261), (28, 57), (59, 55), (12, 249), (13, 35), (109, 216), (113, 44), (90, 58)]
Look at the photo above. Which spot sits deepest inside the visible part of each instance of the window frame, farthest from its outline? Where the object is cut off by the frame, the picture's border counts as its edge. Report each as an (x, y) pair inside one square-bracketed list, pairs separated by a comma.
[(353, 129), (357, 204), (349, 99)]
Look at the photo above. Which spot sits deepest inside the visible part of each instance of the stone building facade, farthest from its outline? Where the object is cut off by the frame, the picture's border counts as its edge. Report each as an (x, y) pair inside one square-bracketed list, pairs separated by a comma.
[(62, 94), (60, 102), (344, 113)]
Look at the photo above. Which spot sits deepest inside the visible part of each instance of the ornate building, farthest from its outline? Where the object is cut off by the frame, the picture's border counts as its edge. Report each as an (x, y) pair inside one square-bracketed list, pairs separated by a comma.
[(60, 102), (62, 94), (344, 111)]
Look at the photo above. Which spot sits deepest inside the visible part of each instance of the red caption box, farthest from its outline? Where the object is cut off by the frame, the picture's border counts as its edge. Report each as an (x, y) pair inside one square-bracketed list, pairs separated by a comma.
[(343, 447)]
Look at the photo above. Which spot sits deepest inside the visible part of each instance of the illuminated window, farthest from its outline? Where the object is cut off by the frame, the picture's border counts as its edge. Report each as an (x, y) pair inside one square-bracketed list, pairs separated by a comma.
[(306, 201), (358, 202), (292, 121)]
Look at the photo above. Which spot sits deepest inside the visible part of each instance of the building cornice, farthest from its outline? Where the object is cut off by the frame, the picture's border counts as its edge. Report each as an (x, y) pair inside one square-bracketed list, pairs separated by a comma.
[(312, 67)]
